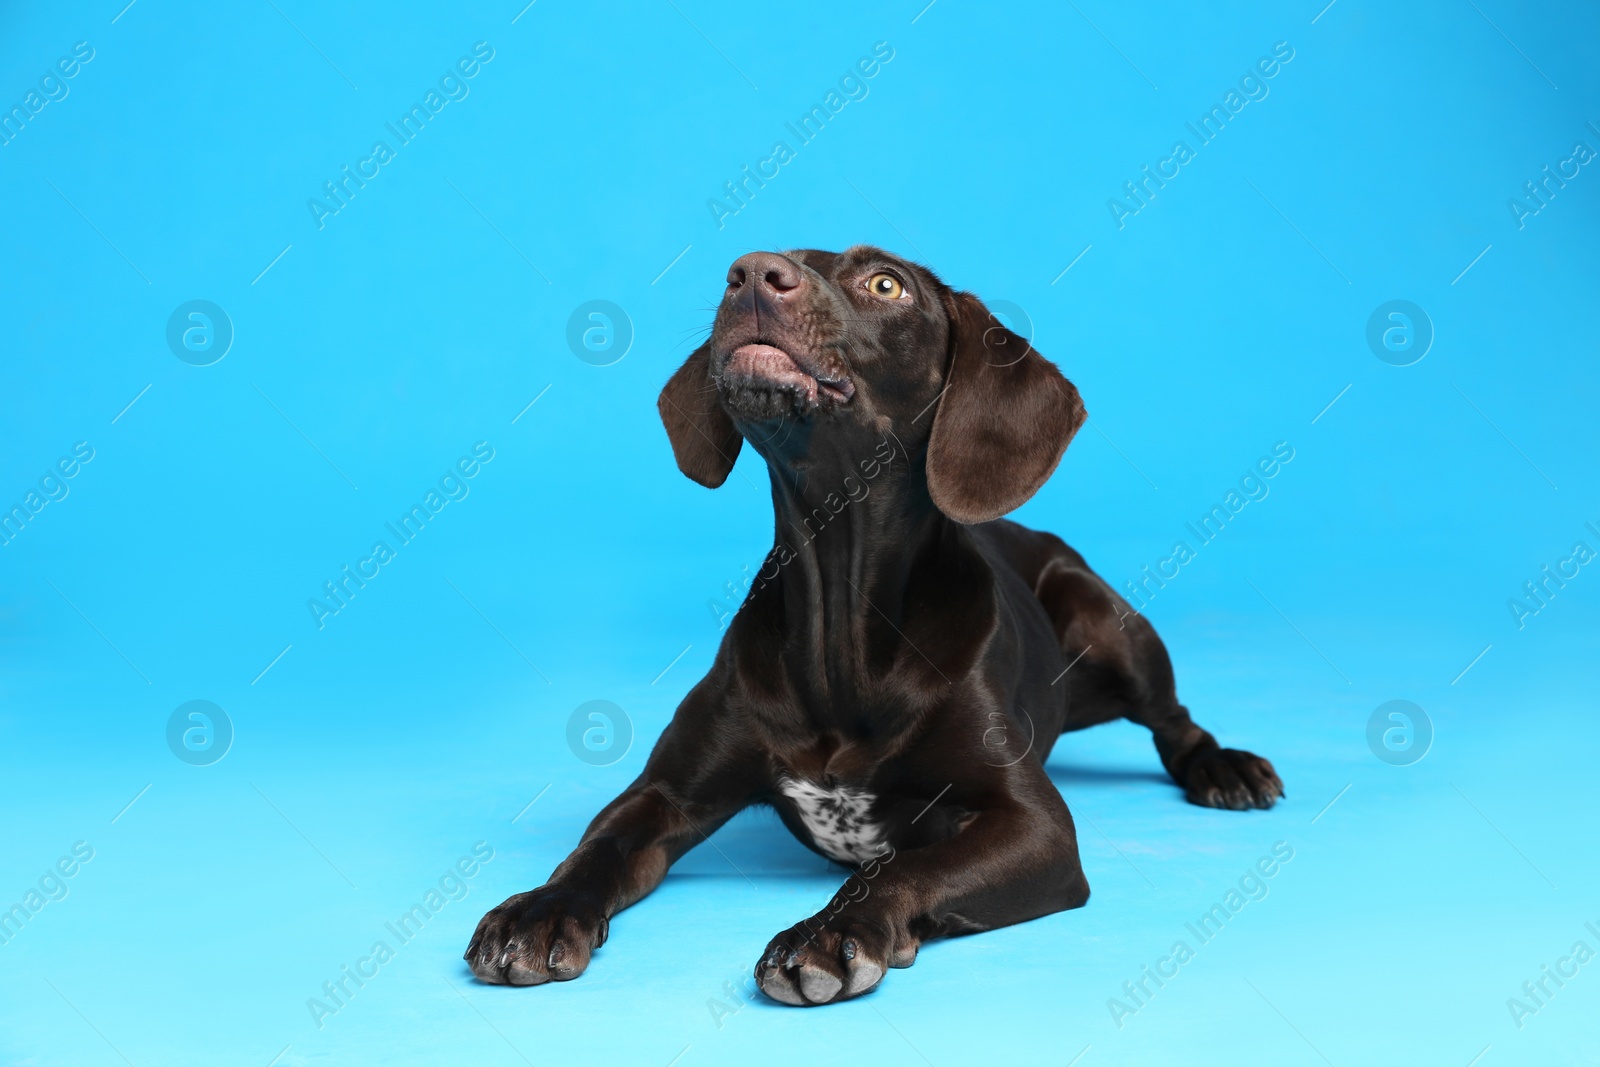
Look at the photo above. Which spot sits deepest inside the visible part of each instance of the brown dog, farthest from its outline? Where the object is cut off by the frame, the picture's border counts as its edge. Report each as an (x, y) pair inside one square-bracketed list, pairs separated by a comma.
[(896, 678)]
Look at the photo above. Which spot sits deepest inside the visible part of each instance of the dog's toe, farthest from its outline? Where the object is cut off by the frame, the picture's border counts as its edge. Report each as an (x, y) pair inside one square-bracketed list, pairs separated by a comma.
[(818, 985), (865, 972), (775, 979)]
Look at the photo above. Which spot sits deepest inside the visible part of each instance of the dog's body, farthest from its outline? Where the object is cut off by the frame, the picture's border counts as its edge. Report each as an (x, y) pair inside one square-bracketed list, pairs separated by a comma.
[(905, 660)]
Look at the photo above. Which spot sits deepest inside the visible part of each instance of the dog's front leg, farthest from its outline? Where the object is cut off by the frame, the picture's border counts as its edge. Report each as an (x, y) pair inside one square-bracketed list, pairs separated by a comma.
[(548, 934), (1015, 858)]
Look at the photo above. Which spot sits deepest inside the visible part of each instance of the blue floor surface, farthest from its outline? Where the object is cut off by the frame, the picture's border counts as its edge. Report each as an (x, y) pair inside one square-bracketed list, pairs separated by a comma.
[(292, 877)]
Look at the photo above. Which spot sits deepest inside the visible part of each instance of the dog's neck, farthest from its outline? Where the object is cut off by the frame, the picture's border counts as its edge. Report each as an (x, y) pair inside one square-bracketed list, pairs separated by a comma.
[(852, 519)]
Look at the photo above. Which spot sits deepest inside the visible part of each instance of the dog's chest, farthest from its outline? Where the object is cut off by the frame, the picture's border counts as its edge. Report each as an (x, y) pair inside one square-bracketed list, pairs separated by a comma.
[(838, 819)]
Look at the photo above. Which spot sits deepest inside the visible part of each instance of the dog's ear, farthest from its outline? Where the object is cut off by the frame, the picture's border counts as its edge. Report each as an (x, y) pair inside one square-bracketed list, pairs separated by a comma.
[(704, 440), (1003, 421)]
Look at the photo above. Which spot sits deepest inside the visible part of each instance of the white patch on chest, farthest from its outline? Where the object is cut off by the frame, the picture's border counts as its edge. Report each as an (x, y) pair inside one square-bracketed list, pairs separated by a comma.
[(837, 819)]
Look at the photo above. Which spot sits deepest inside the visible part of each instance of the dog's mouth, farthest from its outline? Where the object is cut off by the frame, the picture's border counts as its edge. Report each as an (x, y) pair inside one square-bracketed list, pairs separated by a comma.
[(767, 365)]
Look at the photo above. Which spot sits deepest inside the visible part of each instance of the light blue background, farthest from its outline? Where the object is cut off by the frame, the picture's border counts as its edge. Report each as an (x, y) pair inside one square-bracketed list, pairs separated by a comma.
[(430, 311)]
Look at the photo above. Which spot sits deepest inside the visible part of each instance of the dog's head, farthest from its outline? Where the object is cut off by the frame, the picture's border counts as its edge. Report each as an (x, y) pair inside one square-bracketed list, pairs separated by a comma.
[(864, 344)]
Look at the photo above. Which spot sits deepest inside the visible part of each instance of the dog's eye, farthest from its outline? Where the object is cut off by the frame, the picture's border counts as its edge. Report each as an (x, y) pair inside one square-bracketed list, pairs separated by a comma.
[(885, 286)]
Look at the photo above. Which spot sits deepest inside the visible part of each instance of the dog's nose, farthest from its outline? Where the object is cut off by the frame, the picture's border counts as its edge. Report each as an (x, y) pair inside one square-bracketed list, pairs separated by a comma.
[(764, 274)]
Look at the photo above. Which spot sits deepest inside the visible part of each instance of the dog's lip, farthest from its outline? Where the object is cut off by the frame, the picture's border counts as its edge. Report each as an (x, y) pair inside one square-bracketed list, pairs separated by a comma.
[(763, 360)]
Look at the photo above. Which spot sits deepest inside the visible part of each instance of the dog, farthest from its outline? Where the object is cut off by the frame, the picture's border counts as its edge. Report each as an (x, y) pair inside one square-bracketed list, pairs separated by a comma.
[(898, 673)]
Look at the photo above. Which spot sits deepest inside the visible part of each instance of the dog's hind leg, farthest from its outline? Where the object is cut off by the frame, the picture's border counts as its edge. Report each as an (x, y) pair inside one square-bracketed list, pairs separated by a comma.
[(1118, 666)]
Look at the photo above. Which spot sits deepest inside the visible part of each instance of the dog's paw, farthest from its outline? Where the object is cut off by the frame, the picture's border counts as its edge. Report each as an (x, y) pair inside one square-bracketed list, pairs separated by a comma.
[(1231, 778), (543, 936), (825, 960)]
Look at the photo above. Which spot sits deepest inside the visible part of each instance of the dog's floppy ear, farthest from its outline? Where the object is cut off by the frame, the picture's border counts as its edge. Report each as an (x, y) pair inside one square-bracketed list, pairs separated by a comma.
[(704, 440), (1003, 421)]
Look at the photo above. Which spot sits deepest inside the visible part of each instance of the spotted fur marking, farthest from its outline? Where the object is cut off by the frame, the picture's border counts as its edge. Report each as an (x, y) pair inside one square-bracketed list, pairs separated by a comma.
[(837, 819)]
